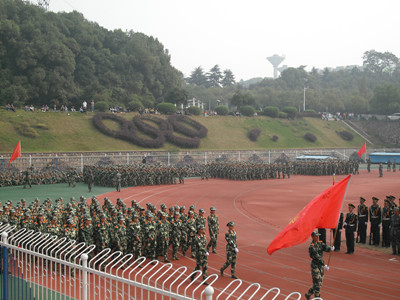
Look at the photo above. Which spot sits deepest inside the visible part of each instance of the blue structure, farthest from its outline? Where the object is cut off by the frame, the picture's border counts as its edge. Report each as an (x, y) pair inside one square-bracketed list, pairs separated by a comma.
[(314, 157), (383, 157)]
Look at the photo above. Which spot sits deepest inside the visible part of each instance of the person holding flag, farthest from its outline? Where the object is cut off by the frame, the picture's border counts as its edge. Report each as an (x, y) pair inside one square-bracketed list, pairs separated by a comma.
[(318, 267), (322, 212)]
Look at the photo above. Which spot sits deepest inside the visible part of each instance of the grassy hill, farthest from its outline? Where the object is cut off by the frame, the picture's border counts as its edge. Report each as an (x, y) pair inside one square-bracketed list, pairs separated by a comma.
[(63, 132)]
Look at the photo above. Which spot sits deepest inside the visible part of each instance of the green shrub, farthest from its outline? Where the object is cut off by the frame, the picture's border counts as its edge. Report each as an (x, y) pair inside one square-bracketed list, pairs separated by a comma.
[(347, 136), (271, 111), (254, 134), (310, 137), (222, 110), (290, 111), (309, 111), (194, 110), (282, 115), (135, 105), (102, 106), (275, 138), (166, 108), (247, 110)]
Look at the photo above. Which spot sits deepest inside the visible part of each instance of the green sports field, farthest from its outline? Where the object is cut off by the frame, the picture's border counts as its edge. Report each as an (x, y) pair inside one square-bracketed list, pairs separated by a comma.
[(53, 191)]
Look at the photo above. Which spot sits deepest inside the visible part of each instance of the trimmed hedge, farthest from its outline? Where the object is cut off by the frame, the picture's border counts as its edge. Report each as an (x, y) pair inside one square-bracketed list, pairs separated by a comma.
[(194, 110), (310, 137), (178, 122), (135, 105), (271, 111), (282, 115), (222, 110), (102, 106), (254, 134), (290, 111), (247, 110), (168, 131), (166, 108), (275, 138), (163, 131), (347, 136)]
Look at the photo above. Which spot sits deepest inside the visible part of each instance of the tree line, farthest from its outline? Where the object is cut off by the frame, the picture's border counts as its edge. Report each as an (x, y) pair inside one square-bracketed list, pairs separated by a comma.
[(371, 88), (62, 58)]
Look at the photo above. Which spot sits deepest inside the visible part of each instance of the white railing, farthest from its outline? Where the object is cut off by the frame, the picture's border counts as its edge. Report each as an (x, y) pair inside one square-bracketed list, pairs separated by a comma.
[(47, 267), (79, 160)]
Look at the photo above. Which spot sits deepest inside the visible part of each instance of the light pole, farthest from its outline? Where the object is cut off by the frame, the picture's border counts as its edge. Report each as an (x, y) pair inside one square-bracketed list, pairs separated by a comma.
[(304, 94)]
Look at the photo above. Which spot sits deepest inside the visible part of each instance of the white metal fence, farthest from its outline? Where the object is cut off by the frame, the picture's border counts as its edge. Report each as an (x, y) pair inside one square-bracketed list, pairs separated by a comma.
[(39, 266), (78, 160)]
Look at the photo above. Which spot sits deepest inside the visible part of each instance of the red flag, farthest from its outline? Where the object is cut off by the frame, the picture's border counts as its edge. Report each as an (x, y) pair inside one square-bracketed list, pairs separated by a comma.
[(322, 212), (16, 152), (362, 150)]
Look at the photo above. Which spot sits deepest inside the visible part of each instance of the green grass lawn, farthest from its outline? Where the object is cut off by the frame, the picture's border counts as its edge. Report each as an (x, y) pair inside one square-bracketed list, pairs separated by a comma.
[(53, 191), (74, 132)]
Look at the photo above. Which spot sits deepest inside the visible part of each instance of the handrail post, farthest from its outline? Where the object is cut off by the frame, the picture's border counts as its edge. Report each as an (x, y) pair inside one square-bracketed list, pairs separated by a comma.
[(84, 258), (4, 236), (209, 291)]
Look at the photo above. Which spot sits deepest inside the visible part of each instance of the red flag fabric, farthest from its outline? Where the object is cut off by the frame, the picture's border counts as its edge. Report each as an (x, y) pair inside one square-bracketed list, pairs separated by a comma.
[(322, 212), (362, 150), (16, 152)]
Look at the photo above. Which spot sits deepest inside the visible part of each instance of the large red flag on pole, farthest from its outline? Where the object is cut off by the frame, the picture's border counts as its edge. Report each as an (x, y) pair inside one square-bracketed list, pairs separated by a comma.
[(16, 153), (322, 212), (362, 150)]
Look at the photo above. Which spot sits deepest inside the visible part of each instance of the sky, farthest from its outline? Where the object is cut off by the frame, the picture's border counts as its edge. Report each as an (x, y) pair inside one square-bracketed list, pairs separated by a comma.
[(240, 35)]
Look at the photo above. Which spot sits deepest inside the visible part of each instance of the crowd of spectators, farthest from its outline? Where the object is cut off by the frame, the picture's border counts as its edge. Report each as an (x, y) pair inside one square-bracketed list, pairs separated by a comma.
[(10, 107), (64, 108)]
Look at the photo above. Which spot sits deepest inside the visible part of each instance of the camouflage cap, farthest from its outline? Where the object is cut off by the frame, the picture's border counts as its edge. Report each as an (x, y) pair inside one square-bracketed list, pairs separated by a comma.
[(192, 207), (103, 216), (200, 227), (70, 221), (191, 212), (177, 213), (375, 199), (171, 209), (183, 207), (163, 206), (202, 210), (135, 215), (315, 233), (121, 218), (23, 200), (87, 218), (230, 223), (213, 208)]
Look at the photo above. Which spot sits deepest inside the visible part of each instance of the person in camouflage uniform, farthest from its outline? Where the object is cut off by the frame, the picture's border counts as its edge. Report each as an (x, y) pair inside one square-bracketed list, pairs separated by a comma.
[(86, 231), (191, 233), (134, 237), (213, 229), (119, 235), (40, 223), (231, 250), (163, 228), (70, 231), (53, 228), (318, 266), (102, 234), (150, 235), (176, 228), (184, 235), (201, 253), (27, 178)]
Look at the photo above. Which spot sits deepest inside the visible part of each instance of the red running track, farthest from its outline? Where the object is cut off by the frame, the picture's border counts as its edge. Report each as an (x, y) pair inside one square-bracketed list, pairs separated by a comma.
[(261, 209)]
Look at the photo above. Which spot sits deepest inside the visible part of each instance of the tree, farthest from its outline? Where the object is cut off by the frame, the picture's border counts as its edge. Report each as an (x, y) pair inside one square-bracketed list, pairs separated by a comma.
[(239, 99), (386, 99), (198, 77), (177, 96), (378, 62), (214, 76), (229, 78)]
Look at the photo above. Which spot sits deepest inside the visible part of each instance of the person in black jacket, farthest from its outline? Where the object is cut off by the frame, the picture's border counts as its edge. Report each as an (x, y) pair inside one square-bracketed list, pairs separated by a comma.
[(338, 237), (350, 224)]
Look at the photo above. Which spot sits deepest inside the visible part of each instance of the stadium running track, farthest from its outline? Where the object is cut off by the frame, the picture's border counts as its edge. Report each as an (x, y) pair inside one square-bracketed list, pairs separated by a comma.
[(261, 209)]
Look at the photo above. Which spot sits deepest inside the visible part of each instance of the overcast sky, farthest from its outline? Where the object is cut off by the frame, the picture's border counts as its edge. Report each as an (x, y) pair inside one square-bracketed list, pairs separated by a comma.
[(239, 35)]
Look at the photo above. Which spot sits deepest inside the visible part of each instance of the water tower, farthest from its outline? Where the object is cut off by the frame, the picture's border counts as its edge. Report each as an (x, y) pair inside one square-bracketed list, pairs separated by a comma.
[(275, 60)]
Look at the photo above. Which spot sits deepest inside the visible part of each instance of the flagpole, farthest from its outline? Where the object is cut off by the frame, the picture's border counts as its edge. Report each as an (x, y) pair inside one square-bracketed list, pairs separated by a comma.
[(337, 227)]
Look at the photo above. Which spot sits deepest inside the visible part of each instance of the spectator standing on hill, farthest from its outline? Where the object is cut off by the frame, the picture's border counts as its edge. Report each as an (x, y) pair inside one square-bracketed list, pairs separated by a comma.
[(84, 106), (92, 106)]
